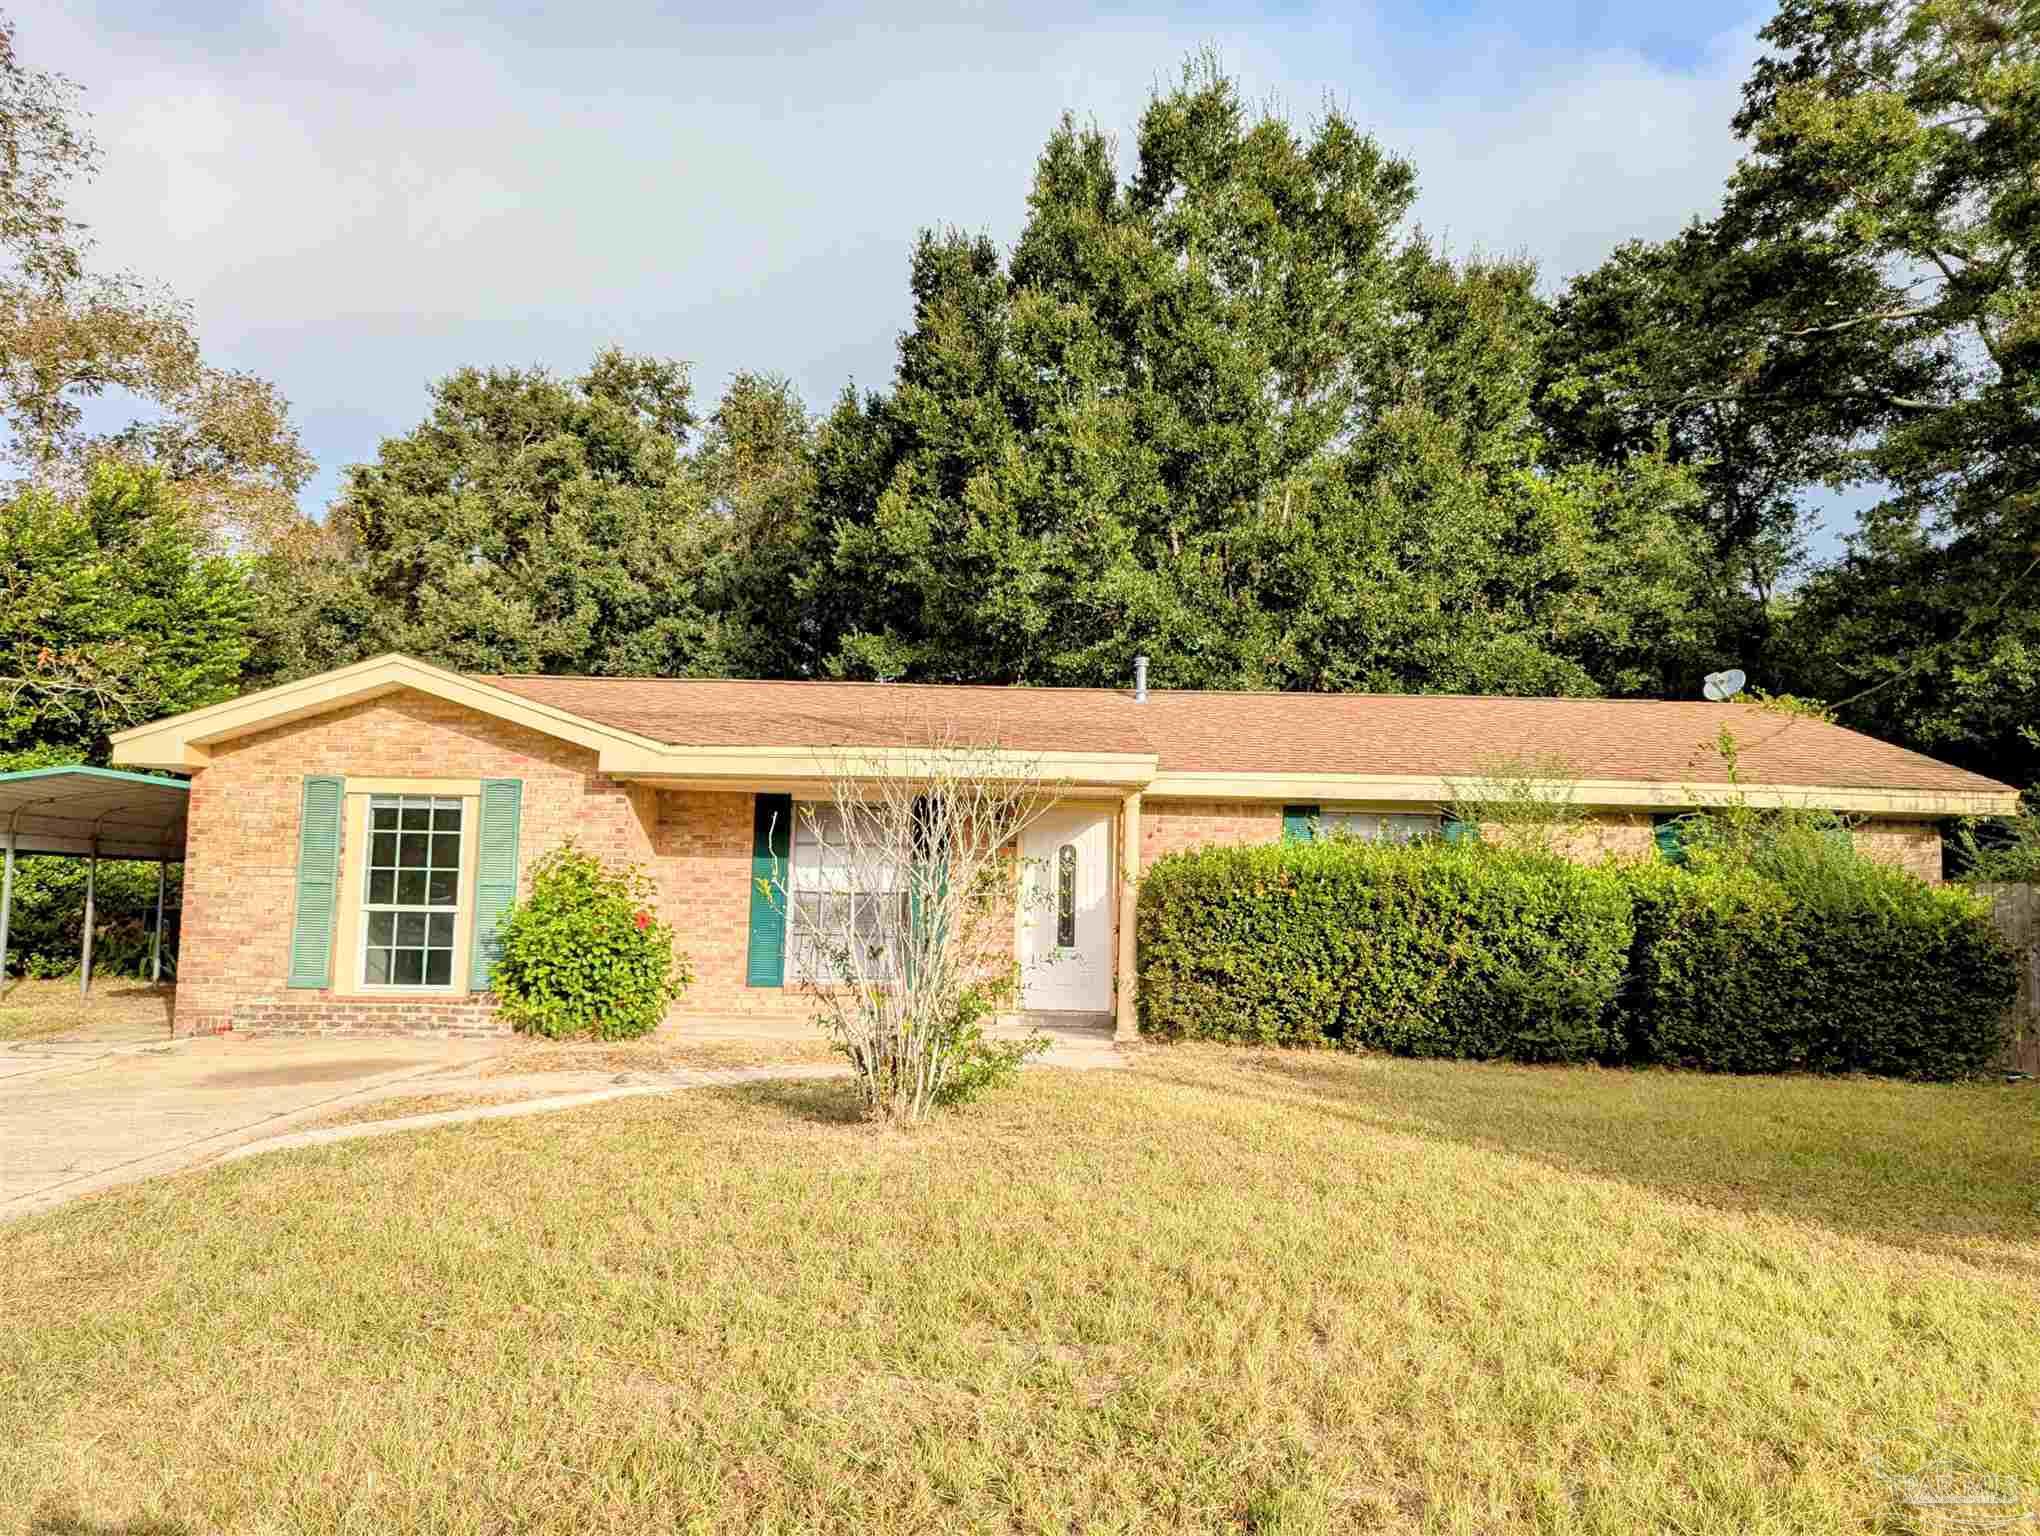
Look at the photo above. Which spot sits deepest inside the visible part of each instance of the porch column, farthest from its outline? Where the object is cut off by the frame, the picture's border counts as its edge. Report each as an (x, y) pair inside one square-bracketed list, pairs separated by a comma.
[(91, 917), (6, 904), (1126, 1025), (156, 943)]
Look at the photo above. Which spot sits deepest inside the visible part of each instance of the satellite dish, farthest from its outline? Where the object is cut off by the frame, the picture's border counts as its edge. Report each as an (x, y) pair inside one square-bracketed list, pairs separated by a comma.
[(1722, 686)]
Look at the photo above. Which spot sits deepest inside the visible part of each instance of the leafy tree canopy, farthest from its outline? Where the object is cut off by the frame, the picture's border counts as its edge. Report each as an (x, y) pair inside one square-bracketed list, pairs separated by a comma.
[(1229, 411), (70, 334), (1863, 312), (113, 611), (529, 524), (1906, 134), (1909, 134)]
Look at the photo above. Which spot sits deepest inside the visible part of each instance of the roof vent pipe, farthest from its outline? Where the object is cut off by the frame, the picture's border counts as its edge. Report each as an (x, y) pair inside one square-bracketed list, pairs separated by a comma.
[(1140, 679)]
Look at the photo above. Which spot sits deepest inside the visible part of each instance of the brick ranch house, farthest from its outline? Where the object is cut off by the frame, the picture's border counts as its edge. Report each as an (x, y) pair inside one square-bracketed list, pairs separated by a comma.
[(354, 836)]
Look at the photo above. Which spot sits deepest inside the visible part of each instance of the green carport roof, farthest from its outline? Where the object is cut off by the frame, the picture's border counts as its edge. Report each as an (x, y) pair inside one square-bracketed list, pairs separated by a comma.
[(74, 810)]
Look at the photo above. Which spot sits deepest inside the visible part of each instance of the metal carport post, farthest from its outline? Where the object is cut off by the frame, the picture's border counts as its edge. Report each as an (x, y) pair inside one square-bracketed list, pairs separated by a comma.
[(6, 903), (97, 813)]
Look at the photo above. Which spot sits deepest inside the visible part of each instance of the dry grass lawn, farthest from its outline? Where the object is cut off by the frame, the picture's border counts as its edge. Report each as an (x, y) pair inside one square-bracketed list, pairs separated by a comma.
[(655, 1055), (37, 1010), (1217, 1292)]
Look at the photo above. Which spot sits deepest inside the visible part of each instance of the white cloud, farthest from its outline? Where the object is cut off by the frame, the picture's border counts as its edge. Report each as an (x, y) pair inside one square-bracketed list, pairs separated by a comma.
[(358, 201)]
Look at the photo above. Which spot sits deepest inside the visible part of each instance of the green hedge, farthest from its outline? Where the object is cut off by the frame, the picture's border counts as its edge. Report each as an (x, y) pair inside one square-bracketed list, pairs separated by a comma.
[(1813, 963), (1864, 970), (1426, 950)]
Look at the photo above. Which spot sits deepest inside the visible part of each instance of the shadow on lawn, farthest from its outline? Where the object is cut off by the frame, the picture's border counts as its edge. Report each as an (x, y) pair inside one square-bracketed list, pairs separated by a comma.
[(1932, 1168), (69, 1522), (824, 1100)]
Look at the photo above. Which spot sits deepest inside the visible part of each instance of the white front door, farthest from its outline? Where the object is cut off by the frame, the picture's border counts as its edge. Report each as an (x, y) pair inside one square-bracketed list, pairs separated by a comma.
[(1066, 913)]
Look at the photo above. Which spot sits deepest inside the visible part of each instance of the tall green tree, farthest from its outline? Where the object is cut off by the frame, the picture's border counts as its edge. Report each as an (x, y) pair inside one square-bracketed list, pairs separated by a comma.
[(1231, 412), (70, 333), (1862, 314), (755, 469), (1450, 551), (1700, 345), (113, 611), (529, 524), (1906, 135)]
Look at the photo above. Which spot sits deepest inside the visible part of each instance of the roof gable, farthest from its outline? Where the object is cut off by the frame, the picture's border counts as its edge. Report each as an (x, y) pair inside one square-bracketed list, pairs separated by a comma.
[(183, 742)]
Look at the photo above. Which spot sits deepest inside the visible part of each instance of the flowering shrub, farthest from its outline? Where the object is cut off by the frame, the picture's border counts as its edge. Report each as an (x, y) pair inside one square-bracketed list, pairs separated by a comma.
[(583, 955)]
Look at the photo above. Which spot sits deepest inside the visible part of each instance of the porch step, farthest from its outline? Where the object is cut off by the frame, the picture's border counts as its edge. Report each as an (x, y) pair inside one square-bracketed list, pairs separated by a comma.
[(1080, 1030)]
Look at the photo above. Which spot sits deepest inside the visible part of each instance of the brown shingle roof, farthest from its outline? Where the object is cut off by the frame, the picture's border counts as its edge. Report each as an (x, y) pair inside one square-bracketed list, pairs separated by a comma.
[(704, 713), (1656, 741), (1414, 735)]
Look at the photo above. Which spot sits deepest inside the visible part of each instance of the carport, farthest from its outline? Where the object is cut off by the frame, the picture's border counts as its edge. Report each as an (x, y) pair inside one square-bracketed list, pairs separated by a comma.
[(93, 814)]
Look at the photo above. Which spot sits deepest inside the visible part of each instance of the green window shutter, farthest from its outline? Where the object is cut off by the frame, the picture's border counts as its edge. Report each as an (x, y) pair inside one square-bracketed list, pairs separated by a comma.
[(318, 882), (1669, 833), (771, 838), (1457, 831), (1299, 823), (495, 872)]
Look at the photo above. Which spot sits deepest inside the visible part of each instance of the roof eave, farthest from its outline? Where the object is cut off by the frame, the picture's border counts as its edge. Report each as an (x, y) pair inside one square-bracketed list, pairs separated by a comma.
[(1596, 794), (810, 768), (184, 743)]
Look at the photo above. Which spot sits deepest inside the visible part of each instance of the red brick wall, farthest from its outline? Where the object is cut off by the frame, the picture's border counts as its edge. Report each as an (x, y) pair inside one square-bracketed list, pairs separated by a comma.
[(1174, 826), (240, 878), (703, 867), (241, 858), (1624, 834), (1171, 826), (1911, 845)]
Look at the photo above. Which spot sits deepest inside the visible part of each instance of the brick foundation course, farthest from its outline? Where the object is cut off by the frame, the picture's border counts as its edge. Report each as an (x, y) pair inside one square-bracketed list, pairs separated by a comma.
[(422, 1018)]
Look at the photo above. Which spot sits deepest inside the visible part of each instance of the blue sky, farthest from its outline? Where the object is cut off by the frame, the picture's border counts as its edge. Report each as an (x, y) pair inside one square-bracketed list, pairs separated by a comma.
[(360, 198)]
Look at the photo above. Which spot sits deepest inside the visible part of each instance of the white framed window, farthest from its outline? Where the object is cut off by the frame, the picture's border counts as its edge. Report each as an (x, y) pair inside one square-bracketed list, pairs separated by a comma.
[(834, 905), (1381, 826), (411, 895)]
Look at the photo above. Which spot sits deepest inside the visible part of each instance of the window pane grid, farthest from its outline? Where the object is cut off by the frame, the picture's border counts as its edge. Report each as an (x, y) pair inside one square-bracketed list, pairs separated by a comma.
[(412, 893), (836, 906)]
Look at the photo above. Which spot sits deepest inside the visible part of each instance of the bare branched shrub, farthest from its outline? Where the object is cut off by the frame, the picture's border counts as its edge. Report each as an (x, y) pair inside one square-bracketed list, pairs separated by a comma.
[(899, 900), (1527, 802), (1810, 848)]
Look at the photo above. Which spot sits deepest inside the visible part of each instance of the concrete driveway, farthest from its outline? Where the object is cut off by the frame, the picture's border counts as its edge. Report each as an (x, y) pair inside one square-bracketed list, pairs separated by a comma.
[(77, 1117)]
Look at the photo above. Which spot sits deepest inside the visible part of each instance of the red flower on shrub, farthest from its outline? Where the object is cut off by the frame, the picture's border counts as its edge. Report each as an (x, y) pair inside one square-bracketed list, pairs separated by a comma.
[(644, 921)]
